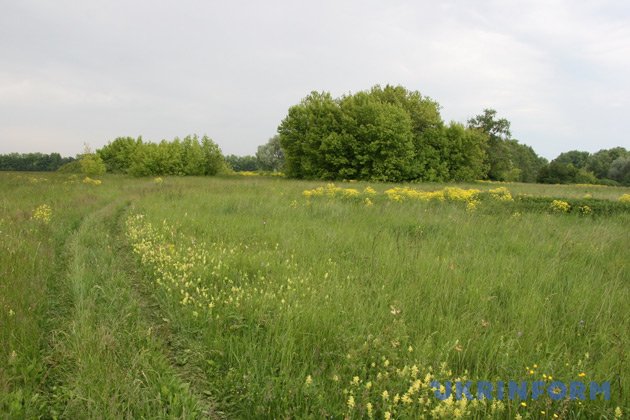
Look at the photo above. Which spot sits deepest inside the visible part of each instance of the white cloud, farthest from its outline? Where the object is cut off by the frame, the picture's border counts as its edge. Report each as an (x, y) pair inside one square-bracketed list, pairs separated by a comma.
[(76, 71)]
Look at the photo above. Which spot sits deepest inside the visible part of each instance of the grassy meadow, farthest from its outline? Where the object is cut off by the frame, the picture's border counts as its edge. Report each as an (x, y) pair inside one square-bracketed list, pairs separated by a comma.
[(262, 297)]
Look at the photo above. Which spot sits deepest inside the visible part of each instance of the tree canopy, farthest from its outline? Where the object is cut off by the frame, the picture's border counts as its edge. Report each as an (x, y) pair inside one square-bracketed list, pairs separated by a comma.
[(34, 162), (270, 156), (190, 156), (393, 134), (607, 166), (384, 134)]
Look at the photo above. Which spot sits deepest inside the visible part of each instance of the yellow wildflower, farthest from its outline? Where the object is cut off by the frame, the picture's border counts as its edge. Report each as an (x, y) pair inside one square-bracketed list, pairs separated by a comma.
[(560, 206), (43, 213)]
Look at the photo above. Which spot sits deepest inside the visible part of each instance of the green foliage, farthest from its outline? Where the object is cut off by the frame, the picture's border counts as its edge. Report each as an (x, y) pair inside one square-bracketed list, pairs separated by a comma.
[(331, 288), (620, 170), (565, 173), (270, 156), (33, 162), (380, 139), (118, 154), (92, 164), (392, 134), (527, 164), (599, 163), (506, 158), (574, 157), (464, 153), (384, 134), (190, 156), (242, 163), (309, 124), (73, 167), (597, 207), (606, 167)]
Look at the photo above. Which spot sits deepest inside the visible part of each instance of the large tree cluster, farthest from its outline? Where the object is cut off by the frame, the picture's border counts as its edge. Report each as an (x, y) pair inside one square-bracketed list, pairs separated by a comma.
[(608, 166), (189, 156), (393, 134), (35, 162)]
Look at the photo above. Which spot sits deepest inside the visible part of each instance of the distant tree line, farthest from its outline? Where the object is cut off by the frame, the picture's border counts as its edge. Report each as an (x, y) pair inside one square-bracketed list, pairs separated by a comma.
[(34, 162), (608, 166), (269, 157), (188, 156), (393, 134), (382, 134)]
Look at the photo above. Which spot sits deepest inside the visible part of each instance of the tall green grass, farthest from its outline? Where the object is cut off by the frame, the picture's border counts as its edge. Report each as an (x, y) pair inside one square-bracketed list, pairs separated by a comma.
[(489, 294), (321, 305)]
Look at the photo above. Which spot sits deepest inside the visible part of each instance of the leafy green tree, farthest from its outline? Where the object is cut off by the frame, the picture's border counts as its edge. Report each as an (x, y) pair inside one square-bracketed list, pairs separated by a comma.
[(242, 163), (576, 158), (599, 163), (393, 134), (192, 156), (35, 162), (498, 152), (270, 156), (119, 153), (620, 170), (565, 173), (526, 163), (382, 139), (303, 131), (214, 162), (427, 127), (91, 163), (431, 148), (464, 153)]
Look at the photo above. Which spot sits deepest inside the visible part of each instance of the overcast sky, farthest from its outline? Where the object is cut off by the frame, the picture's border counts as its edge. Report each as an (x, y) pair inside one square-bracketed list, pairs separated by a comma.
[(74, 72)]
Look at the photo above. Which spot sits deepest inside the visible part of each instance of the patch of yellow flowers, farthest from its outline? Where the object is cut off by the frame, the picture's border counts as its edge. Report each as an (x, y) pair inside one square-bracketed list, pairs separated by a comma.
[(207, 278), (89, 181), (385, 389), (43, 214), (559, 206), (400, 194)]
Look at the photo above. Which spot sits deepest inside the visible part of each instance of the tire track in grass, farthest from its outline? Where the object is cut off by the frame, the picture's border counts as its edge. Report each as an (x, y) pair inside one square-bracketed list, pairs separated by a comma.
[(106, 361)]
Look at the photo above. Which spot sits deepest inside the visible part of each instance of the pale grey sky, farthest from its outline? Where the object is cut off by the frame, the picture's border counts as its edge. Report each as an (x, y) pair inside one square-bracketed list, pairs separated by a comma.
[(89, 71)]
